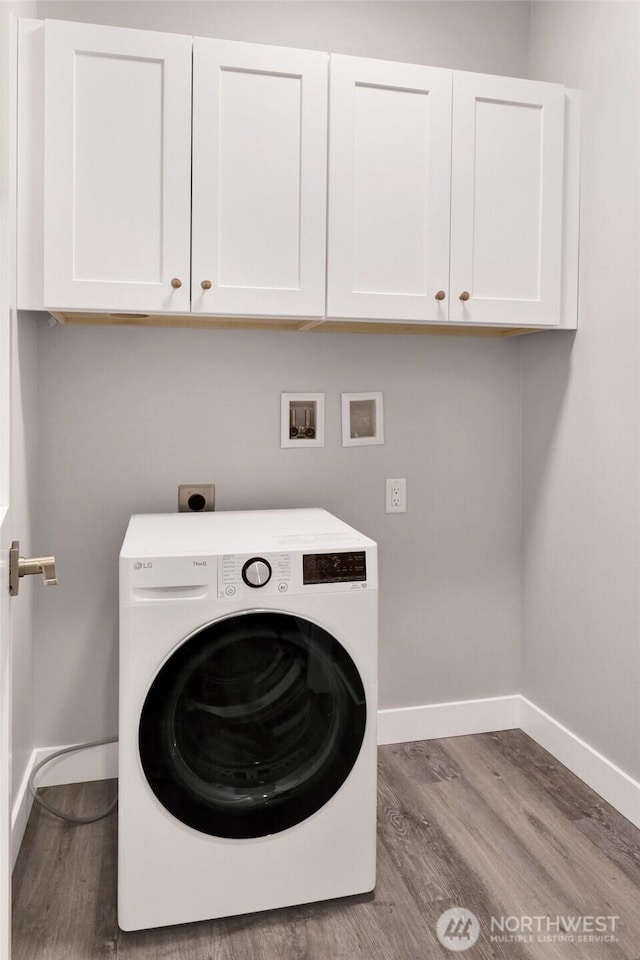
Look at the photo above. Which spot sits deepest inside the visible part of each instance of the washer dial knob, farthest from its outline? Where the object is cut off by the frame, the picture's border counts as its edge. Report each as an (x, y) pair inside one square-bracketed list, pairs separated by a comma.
[(256, 572)]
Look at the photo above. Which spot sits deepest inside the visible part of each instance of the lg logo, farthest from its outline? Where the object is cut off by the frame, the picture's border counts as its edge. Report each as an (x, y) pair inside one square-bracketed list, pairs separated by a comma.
[(138, 565)]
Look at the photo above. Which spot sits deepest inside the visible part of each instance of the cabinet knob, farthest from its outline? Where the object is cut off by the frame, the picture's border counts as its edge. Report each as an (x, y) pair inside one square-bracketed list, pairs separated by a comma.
[(464, 295), (176, 283), (440, 295), (206, 284)]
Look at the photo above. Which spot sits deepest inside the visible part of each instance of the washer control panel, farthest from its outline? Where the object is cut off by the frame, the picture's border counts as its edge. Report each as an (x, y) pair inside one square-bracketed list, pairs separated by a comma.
[(256, 575), (241, 575)]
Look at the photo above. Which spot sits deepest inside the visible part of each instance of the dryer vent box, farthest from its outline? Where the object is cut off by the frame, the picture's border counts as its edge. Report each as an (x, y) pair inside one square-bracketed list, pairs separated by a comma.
[(362, 419)]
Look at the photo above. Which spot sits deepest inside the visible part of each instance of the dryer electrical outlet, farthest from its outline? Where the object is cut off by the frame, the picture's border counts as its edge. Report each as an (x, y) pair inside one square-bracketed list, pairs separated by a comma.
[(396, 496), (196, 497)]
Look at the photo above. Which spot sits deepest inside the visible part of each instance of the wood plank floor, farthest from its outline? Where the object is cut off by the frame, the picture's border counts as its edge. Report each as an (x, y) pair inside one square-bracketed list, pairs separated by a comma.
[(488, 822)]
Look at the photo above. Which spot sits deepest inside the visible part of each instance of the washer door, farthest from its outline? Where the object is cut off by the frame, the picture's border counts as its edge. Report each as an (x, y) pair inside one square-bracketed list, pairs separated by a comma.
[(252, 725)]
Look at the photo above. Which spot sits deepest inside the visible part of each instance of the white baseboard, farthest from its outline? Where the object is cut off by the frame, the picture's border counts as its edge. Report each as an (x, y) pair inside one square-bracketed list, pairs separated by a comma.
[(603, 776), (96, 763), (456, 719), (464, 717), (430, 722), (20, 811)]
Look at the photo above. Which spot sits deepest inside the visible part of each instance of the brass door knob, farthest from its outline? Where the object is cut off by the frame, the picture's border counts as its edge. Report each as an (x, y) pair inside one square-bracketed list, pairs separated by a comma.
[(464, 295), (28, 567), (206, 284), (440, 295), (176, 283)]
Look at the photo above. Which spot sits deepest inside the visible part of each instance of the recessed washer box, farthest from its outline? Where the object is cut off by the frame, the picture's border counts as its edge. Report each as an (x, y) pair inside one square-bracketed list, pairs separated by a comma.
[(302, 420)]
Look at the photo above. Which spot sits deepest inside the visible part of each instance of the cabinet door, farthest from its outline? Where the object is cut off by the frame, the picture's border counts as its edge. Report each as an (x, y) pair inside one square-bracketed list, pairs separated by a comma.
[(117, 169), (506, 200), (259, 179), (389, 177)]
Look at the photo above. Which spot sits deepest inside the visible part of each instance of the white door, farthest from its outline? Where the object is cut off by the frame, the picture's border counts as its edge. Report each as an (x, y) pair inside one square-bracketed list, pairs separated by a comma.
[(117, 169), (5, 641), (389, 176), (5, 631), (506, 200), (259, 179), (7, 61)]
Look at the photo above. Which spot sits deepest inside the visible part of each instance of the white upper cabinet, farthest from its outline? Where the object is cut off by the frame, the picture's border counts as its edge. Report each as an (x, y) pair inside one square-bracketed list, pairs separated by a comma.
[(434, 193), (389, 172), (224, 179), (117, 169), (259, 179), (506, 201)]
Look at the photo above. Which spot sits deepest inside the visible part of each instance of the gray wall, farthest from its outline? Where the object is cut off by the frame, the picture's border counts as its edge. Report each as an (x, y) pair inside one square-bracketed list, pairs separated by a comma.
[(124, 415), (127, 414), (581, 408), (491, 37)]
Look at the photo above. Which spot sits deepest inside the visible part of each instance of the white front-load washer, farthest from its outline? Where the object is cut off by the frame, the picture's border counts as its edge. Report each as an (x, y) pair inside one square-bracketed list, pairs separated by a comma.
[(248, 697)]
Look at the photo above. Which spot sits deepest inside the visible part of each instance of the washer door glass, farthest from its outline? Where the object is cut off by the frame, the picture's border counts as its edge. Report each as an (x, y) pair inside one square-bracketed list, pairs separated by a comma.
[(252, 725)]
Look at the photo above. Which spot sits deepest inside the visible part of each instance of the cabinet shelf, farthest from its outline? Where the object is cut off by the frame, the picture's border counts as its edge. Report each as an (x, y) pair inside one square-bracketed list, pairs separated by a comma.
[(289, 323)]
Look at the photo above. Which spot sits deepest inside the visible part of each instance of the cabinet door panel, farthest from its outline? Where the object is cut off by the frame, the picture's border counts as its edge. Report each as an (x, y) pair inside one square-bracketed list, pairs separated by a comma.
[(506, 200), (259, 179), (117, 168), (389, 175)]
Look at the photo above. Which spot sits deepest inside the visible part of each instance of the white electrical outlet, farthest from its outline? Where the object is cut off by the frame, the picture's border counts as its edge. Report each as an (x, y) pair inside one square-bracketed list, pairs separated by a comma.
[(396, 499)]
